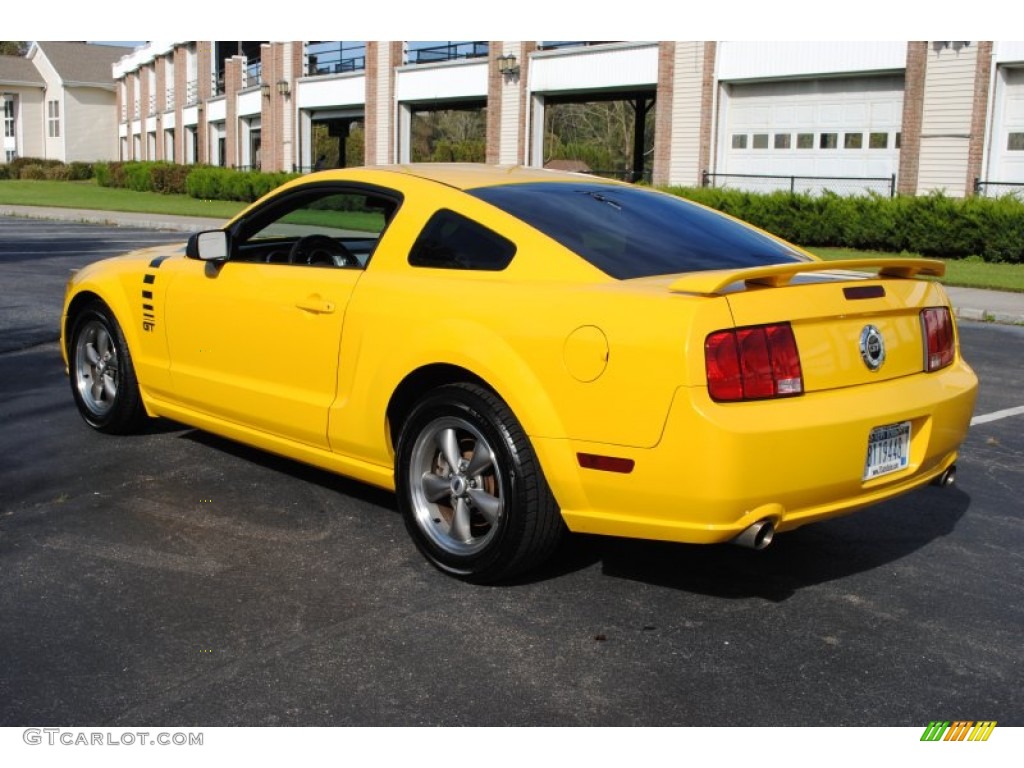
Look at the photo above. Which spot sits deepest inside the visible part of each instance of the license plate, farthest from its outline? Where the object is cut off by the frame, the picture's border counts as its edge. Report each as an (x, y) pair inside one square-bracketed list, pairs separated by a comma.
[(888, 450)]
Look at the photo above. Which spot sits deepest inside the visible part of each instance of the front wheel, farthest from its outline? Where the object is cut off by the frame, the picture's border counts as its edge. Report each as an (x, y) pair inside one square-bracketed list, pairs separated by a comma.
[(470, 488), (103, 380)]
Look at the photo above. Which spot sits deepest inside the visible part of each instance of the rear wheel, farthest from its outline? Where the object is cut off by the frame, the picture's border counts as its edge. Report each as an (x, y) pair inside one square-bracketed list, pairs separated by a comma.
[(470, 488), (103, 379)]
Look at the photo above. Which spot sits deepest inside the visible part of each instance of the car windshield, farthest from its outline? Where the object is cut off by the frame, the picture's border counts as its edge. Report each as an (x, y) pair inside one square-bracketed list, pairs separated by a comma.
[(629, 232)]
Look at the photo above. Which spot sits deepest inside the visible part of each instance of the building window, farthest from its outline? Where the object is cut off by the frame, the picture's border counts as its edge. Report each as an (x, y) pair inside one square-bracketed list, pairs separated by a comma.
[(11, 155), (9, 130), (760, 141), (805, 141), (853, 141), (878, 141), (1015, 142), (739, 141), (828, 141), (783, 140), (53, 118), (897, 145)]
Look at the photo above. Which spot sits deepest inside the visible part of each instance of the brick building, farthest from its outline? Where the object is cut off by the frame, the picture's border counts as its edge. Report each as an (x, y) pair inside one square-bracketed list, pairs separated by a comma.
[(917, 116)]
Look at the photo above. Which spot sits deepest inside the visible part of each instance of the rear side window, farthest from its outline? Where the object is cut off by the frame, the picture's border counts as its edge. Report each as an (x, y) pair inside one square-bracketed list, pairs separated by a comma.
[(629, 232), (451, 241)]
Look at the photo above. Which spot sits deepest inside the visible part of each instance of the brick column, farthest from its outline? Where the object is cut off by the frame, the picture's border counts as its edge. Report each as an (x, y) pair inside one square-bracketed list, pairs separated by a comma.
[(204, 60), (913, 113), (161, 104), (132, 77), (279, 108), (293, 60), (663, 112), (232, 84), (180, 89), (268, 132), (143, 74), (979, 114), (381, 60)]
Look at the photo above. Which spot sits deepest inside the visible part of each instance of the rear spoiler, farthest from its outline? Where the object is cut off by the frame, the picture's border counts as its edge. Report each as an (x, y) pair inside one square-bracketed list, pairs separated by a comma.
[(777, 275)]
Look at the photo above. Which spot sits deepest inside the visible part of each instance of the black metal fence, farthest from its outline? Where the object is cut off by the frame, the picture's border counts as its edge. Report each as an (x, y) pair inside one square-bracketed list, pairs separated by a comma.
[(631, 176), (336, 57), (813, 185), (998, 188), (447, 51)]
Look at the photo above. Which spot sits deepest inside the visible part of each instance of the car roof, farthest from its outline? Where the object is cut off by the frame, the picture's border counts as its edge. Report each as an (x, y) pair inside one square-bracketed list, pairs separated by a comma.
[(473, 175)]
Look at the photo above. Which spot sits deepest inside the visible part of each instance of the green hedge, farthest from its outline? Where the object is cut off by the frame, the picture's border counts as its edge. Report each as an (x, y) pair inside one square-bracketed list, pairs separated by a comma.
[(207, 183), (37, 168), (931, 225), (200, 181)]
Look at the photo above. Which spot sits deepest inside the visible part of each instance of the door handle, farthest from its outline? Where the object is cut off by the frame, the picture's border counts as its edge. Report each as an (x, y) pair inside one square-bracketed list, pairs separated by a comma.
[(316, 304)]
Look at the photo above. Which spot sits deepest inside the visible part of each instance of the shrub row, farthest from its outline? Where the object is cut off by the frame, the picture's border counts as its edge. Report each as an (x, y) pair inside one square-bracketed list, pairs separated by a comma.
[(209, 183), (200, 181), (931, 225), (36, 168)]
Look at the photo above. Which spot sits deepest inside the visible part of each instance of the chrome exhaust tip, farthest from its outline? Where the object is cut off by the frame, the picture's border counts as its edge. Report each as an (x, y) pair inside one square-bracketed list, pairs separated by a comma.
[(947, 479), (757, 536)]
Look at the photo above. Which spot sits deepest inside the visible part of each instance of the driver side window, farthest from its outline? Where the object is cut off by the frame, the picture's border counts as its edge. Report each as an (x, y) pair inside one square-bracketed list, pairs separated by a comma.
[(321, 228)]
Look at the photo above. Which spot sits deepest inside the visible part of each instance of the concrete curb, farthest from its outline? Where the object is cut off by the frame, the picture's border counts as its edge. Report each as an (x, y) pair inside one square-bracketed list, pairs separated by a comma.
[(115, 218)]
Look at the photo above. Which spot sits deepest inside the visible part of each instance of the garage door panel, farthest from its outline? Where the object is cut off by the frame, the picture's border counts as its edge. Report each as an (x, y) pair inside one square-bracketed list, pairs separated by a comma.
[(804, 110), (1006, 164)]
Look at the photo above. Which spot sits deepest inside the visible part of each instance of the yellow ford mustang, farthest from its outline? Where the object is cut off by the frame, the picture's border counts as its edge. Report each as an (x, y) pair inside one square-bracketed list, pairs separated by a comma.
[(516, 352)]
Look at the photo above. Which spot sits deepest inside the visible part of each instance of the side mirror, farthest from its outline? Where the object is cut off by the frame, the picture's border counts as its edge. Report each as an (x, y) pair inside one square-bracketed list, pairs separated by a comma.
[(214, 245)]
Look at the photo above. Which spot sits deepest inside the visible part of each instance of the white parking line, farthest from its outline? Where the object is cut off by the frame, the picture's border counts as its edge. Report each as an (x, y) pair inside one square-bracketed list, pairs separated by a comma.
[(995, 416)]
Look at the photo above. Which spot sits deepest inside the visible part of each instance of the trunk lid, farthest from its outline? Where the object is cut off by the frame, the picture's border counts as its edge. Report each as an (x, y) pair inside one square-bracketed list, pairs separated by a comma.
[(851, 327)]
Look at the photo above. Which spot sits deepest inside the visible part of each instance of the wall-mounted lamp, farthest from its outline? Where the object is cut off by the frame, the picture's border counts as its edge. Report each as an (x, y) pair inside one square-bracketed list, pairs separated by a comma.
[(265, 90), (282, 88), (508, 66)]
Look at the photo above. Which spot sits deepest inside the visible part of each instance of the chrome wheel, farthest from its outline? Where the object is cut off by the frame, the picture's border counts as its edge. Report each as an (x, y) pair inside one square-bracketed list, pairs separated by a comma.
[(456, 486), (102, 376), (471, 491), (96, 368)]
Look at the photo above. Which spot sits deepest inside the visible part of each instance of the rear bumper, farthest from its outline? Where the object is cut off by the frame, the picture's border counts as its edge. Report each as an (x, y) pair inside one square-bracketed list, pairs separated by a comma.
[(720, 468)]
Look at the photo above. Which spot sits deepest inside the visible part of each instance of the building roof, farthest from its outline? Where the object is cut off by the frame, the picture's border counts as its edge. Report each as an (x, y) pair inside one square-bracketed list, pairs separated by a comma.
[(17, 70), (83, 64)]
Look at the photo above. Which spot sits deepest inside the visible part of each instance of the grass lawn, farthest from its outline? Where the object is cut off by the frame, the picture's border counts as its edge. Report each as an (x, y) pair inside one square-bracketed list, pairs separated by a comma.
[(968, 273), (90, 196)]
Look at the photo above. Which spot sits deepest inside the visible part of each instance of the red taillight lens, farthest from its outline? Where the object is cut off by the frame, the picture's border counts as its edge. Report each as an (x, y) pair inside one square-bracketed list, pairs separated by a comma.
[(938, 337), (753, 363)]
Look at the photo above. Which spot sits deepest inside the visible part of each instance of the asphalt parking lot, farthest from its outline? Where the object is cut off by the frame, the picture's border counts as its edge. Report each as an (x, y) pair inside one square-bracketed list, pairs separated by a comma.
[(175, 577)]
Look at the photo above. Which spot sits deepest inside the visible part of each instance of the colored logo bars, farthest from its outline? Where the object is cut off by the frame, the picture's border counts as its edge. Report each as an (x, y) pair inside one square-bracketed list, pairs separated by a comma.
[(960, 730)]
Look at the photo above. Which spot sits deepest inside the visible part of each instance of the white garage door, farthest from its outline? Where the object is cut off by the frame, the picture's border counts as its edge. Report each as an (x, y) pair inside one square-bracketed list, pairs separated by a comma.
[(1007, 160), (843, 127)]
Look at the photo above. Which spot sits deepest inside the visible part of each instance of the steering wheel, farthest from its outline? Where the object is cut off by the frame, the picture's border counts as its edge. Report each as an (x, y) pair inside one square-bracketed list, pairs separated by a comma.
[(321, 249)]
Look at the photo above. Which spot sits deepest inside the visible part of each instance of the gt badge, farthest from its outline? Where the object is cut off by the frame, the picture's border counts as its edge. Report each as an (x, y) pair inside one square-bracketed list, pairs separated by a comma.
[(872, 347)]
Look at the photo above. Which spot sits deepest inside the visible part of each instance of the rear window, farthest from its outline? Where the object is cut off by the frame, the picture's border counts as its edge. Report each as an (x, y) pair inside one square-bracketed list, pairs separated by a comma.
[(631, 232)]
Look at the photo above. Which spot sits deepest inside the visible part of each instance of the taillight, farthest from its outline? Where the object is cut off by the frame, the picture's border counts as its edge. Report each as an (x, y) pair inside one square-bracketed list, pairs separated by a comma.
[(753, 363), (937, 325)]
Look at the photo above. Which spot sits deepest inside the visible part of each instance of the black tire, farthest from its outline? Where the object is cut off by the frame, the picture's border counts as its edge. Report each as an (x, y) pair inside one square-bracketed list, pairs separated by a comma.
[(102, 376), (492, 518)]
